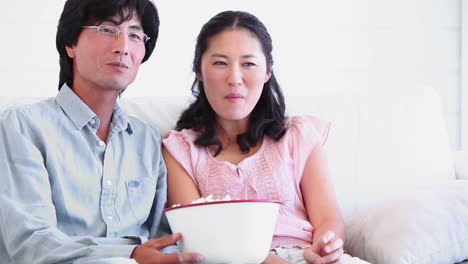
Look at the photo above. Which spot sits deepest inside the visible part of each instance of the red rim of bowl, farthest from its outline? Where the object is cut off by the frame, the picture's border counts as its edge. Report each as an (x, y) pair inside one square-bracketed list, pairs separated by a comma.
[(227, 201)]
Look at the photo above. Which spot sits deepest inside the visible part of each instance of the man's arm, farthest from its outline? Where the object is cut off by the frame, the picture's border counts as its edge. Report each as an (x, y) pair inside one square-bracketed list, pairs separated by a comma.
[(28, 221), (160, 232)]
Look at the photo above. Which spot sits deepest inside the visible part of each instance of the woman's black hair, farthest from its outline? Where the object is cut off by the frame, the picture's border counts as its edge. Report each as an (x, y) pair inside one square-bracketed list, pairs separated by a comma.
[(78, 13), (267, 117)]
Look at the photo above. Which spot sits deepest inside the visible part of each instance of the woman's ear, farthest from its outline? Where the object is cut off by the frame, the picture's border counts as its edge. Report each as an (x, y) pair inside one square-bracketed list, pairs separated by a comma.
[(267, 76), (70, 51), (199, 76)]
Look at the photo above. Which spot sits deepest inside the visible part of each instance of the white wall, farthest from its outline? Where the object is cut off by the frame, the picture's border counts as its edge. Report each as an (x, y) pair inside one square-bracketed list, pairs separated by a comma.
[(327, 46), (464, 76)]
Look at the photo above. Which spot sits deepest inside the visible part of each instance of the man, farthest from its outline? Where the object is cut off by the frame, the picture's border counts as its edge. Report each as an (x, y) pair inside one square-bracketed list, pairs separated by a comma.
[(81, 181)]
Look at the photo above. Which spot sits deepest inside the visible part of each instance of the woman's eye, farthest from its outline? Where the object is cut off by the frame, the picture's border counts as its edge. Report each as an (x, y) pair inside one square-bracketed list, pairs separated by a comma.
[(249, 64), (219, 63)]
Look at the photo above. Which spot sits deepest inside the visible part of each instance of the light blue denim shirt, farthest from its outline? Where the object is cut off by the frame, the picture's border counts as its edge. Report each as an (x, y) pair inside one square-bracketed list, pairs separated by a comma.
[(65, 195)]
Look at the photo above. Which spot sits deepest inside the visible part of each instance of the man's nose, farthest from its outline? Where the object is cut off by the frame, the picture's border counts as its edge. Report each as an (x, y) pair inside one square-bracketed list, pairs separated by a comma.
[(121, 45)]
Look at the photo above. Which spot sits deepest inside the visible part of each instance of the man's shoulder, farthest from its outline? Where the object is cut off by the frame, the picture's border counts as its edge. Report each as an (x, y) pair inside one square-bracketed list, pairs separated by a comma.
[(29, 109), (139, 125)]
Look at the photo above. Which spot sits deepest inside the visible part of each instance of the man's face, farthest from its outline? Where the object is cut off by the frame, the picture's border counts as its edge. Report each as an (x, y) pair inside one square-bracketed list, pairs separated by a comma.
[(104, 62)]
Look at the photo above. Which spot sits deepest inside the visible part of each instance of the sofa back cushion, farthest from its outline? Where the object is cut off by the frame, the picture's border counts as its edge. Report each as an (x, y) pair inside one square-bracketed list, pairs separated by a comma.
[(379, 141)]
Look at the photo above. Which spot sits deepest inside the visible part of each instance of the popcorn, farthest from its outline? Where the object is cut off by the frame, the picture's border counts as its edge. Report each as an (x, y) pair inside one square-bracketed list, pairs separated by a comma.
[(207, 199)]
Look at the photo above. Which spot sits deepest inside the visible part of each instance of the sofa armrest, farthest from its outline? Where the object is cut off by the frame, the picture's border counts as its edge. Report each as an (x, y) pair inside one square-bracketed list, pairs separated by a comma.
[(461, 164)]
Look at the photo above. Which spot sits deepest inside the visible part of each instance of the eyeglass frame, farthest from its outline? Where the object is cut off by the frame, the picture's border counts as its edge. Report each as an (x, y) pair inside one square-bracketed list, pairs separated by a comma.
[(118, 31)]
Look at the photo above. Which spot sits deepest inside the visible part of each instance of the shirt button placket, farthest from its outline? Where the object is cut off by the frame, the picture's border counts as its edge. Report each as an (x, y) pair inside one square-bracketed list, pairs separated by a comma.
[(107, 195)]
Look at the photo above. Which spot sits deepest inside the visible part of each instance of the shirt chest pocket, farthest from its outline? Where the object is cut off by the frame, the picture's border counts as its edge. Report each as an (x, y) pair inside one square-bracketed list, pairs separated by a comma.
[(141, 192)]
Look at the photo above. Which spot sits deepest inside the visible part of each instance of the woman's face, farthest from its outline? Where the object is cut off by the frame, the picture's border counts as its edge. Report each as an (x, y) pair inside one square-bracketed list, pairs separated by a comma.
[(233, 71)]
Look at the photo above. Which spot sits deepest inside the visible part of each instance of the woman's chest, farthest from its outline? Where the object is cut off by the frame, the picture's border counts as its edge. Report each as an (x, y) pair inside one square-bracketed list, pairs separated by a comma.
[(266, 175)]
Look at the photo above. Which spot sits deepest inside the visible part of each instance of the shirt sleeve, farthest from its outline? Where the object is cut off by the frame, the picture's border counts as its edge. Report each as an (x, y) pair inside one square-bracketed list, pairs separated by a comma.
[(159, 225), (181, 146), (306, 133), (28, 222)]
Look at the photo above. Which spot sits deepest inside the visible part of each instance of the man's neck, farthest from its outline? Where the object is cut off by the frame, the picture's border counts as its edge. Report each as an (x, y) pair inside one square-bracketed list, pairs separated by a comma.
[(102, 103)]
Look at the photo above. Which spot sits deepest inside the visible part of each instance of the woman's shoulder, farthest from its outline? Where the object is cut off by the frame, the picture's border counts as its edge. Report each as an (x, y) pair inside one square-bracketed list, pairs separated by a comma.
[(306, 120), (184, 133), (185, 137), (308, 125)]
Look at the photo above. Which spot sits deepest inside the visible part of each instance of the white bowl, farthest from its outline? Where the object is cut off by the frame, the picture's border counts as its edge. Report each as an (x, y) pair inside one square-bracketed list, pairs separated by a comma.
[(237, 231)]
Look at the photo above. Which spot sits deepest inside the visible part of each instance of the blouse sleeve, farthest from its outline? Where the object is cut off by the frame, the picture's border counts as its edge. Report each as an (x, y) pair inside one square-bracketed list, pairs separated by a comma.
[(180, 145), (306, 133)]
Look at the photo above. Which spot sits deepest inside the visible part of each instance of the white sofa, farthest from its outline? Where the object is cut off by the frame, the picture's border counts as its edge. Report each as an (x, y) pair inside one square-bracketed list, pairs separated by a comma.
[(392, 168)]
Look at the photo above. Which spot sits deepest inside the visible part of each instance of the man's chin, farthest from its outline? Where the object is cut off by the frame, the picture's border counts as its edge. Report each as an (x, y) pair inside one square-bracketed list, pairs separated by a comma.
[(116, 85)]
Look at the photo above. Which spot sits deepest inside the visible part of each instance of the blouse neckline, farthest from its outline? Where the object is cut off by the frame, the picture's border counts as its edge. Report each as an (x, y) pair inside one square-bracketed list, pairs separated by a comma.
[(264, 142)]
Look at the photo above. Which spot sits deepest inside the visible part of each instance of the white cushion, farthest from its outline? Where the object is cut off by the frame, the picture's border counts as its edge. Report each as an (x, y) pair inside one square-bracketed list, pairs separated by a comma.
[(393, 136), (159, 112), (390, 136), (426, 226), (461, 164)]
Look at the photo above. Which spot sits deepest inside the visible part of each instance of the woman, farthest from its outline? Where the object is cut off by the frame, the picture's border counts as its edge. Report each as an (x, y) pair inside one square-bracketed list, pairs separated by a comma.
[(234, 139)]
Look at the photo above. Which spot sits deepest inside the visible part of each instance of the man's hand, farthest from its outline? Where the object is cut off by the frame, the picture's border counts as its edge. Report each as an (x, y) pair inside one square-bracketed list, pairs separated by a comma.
[(326, 249), (149, 252)]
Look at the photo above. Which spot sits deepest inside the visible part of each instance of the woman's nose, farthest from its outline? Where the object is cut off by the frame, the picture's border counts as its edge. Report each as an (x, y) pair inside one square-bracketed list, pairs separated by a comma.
[(235, 76)]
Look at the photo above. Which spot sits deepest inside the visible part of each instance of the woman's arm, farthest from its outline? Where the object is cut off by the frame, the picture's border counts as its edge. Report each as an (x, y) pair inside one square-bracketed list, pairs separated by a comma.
[(180, 187), (322, 207), (273, 259)]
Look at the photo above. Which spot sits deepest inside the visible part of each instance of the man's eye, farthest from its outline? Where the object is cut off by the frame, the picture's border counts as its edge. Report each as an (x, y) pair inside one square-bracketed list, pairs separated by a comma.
[(135, 36), (106, 30)]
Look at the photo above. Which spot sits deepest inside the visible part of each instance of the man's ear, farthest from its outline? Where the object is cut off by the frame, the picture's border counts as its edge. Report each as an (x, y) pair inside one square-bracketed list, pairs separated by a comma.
[(70, 51)]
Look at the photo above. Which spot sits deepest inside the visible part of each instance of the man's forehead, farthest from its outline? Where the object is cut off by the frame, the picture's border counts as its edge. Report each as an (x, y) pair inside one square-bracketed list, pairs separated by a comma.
[(132, 20)]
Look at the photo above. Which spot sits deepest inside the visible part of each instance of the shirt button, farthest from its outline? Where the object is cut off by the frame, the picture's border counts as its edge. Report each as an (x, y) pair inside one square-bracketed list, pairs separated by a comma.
[(109, 182), (92, 121), (102, 144), (110, 218)]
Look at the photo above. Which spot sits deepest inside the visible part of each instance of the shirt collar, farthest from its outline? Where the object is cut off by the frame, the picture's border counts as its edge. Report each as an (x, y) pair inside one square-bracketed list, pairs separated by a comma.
[(81, 114), (120, 121)]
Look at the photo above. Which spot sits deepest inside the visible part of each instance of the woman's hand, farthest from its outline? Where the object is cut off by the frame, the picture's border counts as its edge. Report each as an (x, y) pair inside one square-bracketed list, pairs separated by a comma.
[(326, 249)]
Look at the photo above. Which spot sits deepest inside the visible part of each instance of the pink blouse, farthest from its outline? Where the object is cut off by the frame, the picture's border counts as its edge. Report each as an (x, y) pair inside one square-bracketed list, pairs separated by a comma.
[(274, 172)]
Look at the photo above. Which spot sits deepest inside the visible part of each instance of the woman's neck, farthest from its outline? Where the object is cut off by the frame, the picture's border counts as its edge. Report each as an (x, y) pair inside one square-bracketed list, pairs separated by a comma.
[(228, 130)]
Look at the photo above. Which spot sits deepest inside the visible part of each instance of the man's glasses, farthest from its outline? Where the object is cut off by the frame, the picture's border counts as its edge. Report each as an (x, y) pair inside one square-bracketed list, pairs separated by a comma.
[(112, 32)]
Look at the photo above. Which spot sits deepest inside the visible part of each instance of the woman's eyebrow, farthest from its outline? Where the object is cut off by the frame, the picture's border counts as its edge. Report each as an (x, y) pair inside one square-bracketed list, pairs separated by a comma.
[(218, 55)]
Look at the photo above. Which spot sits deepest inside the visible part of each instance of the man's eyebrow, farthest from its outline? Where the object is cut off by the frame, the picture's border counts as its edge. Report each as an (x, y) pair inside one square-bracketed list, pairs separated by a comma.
[(136, 26), (110, 20), (139, 27)]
